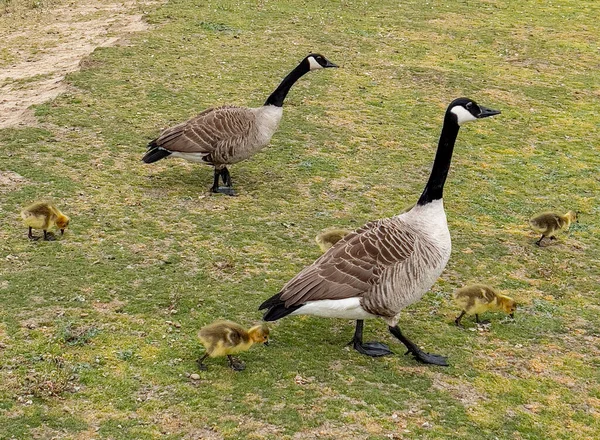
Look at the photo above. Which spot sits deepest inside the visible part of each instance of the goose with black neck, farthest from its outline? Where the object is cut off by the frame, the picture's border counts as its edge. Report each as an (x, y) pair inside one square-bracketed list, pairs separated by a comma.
[(226, 135), (386, 265)]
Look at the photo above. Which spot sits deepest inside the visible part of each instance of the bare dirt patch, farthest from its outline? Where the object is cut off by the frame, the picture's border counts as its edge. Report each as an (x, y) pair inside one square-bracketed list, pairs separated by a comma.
[(51, 43), (10, 180)]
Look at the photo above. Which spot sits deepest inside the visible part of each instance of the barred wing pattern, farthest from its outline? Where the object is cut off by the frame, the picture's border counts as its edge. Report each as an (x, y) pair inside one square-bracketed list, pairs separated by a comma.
[(221, 134), (371, 263)]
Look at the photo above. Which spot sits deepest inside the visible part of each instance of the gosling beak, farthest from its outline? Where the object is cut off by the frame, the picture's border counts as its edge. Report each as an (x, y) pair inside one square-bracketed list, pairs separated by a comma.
[(486, 112), (62, 232), (512, 315), (330, 64), (266, 342)]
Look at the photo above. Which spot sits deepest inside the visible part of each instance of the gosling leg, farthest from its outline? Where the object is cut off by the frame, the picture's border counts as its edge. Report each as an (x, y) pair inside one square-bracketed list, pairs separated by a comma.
[(418, 354), (201, 364), (236, 364), (373, 349), (539, 242), (487, 321), (49, 236), (31, 236), (457, 320)]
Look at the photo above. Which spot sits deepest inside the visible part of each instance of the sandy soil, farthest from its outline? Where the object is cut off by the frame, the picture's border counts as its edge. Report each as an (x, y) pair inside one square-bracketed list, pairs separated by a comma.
[(51, 43)]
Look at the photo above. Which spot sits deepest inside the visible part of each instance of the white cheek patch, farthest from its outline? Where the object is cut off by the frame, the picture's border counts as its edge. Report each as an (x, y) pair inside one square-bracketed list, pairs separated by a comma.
[(313, 64), (462, 114)]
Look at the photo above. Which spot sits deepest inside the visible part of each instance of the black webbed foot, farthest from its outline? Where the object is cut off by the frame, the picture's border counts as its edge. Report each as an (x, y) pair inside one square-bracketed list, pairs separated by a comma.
[(236, 364), (418, 354), (224, 190), (373, 349), (49, 236), (429, 358)]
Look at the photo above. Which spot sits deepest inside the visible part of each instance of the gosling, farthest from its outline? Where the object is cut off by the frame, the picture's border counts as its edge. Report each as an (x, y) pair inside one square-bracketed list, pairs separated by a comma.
[(44, 215), (479, 298), (224, 338), (327, 238), (549, 223)]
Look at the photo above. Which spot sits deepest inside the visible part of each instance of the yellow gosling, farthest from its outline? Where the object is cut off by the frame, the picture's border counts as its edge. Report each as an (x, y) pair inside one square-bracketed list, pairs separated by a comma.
[(480, 298), (44, 215), (329, 237), (225, 338), (549, 223)]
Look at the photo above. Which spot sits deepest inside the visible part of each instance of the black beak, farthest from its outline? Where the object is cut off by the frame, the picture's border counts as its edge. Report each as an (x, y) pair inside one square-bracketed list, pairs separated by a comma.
[(512, 315), (267, 343), (62, 232), (330, 64), (486, 112)]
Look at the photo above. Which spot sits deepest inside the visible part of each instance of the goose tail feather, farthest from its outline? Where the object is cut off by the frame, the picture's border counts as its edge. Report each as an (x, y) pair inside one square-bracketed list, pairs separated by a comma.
[(276, 308), (155, 153)]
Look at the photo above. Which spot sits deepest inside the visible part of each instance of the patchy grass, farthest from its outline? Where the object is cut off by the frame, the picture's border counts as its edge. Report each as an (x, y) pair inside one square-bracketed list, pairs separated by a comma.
[(88, 342)]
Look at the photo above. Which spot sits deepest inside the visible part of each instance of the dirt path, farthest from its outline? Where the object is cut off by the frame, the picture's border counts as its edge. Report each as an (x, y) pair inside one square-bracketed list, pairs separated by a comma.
[(40, 46)]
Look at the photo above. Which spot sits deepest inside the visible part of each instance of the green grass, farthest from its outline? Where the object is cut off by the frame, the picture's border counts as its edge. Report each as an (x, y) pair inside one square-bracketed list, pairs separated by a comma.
[(88, 345)]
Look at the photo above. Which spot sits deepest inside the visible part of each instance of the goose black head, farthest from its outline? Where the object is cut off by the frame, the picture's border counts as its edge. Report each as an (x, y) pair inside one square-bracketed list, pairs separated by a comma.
[(318, 61), (466, 110)]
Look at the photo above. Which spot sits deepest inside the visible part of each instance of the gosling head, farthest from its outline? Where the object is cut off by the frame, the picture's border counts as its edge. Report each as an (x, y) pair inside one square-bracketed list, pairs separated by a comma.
[(62, 222), (572, 216), (466, 110), (510, 307), (259, 333), (317, 61)]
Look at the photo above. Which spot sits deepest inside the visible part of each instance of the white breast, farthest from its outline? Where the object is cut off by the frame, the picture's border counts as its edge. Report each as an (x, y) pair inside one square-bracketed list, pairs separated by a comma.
[(267, 121)]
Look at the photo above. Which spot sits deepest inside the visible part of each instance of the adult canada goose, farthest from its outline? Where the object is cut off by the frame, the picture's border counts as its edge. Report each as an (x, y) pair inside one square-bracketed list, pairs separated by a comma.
[(386, 265), (226, 135)]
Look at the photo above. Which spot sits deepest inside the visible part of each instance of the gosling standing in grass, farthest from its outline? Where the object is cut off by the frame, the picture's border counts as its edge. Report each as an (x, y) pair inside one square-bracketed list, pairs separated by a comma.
[(224, 338), (479, 298), (549, 223), (44, 215), (327, 238)]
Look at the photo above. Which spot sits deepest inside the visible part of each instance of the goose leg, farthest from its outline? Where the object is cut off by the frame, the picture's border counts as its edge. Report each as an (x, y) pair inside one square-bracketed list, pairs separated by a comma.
[(420, 355), (200, 362), (31, 236), (223, 173), (235, 364), (373, 349), (457, 320)]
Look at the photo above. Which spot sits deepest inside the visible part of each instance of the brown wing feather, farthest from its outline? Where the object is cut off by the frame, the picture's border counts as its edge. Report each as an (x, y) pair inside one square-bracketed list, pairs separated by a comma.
[(353, 265), (211, 130)]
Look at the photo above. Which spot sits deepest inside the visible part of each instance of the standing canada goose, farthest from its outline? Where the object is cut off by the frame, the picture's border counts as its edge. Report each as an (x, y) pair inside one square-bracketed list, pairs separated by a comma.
[(44, 215), (479, 298), (386, 265), (549, 223), (226, 135)]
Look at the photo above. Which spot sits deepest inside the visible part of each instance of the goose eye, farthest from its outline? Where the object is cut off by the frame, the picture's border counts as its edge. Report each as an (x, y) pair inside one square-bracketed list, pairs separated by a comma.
[(469, 105)]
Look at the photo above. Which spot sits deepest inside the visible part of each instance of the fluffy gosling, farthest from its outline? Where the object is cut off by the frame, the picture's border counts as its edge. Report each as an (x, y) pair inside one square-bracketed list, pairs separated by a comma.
[(479, 298), (224, 338), (327, 238), (44, 215), (549, 223)]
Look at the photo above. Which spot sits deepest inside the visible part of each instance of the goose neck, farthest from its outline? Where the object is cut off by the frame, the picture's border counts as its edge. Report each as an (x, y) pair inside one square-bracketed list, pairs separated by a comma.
[(434, 189), (278, 96)]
